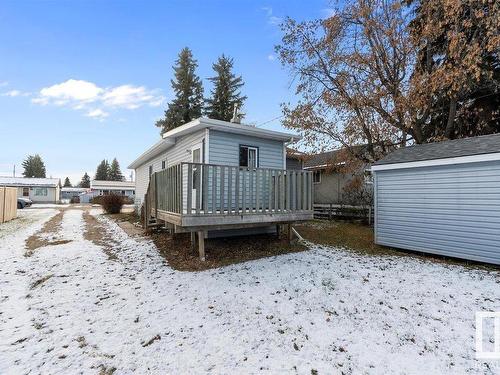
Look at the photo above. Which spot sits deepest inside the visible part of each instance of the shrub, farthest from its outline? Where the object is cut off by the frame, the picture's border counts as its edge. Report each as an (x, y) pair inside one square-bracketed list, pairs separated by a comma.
[(112, 204)]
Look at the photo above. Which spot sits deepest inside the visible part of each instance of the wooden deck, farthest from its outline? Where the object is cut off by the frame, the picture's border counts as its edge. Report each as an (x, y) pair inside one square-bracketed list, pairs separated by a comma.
[(198, 197)]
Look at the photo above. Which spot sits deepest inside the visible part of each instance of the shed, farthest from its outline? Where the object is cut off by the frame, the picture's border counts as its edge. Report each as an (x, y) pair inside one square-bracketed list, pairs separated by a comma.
[(441, 198)]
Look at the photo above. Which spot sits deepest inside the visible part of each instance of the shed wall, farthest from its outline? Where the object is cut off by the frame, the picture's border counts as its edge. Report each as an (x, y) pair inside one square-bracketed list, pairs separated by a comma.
[(451, 210)]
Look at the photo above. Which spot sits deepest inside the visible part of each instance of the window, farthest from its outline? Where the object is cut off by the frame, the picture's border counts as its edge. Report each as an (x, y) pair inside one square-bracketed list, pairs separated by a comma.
[(368, 177), (317, 176), (26, 192), (249, 156), (163, 162), (41, 192)]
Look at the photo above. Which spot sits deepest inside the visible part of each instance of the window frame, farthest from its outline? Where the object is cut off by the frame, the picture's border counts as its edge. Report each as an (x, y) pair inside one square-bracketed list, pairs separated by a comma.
[(319, 173), (26, 191), (163, 164), (257, 156)]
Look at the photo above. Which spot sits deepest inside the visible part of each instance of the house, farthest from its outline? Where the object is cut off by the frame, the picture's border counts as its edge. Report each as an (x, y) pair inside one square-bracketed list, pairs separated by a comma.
[(210, 175), (101, 187), (441, 198), (294, 159), (328, 180), (68, 193), (39, 190)]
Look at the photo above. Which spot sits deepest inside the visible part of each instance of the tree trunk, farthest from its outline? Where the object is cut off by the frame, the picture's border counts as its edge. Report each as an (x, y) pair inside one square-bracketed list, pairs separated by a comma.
[(451, 118)]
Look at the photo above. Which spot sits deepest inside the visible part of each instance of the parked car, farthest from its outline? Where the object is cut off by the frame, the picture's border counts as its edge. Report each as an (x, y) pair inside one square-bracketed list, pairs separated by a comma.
[(24, 202)]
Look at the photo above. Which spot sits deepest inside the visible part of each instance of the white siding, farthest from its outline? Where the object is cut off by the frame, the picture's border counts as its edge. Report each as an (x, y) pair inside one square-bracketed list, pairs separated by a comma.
[(451, 210), (174, 155)]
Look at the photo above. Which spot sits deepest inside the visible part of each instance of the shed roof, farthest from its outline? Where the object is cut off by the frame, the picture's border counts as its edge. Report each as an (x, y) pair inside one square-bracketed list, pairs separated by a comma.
[(485, 144), (24, 181), (169, 138)]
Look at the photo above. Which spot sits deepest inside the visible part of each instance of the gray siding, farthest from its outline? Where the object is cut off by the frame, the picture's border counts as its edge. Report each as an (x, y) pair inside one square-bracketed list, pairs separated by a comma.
[(451, 210), (330, 189), (174, 155), (225, 148)]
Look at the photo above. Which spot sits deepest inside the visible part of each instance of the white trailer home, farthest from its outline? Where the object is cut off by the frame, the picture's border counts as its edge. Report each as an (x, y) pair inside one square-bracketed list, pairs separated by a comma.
[(39, 190), (210, 175)]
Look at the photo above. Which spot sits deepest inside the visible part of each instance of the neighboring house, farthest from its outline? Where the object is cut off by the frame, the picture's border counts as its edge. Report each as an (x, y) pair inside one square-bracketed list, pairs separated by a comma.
[(328, 181), (441, 198), (39, 190), (211, 174), (294, 159), (68, 193), (101, 187)]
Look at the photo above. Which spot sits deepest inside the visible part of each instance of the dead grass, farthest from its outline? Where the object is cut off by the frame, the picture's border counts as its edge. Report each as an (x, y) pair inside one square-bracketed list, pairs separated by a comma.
[(40, 281), (359, 238), (42, 237), (220, 252), (96, 233)]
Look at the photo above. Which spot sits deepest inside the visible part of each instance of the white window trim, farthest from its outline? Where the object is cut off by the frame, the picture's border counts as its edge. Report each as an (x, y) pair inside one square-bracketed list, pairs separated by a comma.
[(437, 162), (320, 176), (256, 155)]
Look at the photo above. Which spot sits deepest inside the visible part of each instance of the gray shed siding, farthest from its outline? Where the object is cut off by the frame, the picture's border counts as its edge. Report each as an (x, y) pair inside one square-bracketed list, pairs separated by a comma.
[(451, 210)]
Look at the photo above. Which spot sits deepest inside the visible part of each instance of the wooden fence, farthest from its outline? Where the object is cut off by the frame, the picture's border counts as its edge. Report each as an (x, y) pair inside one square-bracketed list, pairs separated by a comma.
[(343, 212), (8, 203)]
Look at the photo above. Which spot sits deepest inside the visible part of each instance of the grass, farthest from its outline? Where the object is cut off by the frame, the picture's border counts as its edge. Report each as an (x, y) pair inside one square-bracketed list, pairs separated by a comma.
[(359, 238)]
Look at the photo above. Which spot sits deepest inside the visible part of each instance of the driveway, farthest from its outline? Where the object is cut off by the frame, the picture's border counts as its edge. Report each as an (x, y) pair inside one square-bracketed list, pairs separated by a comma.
[(79, 295)]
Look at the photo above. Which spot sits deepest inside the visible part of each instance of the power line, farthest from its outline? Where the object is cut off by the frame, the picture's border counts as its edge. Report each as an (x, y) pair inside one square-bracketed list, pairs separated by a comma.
[(268, 121)]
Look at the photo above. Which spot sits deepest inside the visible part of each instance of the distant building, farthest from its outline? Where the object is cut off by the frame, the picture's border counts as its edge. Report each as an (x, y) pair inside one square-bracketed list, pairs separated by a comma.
[(100, 187), (68, 193), (39, 190)]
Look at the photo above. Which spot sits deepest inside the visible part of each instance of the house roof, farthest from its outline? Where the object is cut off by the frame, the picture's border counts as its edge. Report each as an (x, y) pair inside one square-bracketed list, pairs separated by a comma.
[(294, 154), (323, 159), (23, 181), (169, 138), (485, 144), (112, 185)]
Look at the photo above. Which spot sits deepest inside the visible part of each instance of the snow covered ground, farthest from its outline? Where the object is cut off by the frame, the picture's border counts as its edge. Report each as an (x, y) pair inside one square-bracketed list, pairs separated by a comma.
[(71, 308)]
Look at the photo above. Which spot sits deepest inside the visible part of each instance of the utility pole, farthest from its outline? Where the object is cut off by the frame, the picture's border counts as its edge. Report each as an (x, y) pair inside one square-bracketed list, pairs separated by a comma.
[(14, 173)]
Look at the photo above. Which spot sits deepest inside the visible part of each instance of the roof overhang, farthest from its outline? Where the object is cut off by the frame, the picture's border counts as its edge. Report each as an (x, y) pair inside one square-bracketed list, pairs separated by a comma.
[(169, 138), (436, 162)]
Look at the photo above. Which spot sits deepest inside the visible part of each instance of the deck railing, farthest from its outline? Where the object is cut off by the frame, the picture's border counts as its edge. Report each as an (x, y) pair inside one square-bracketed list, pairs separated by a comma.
[(209, 189)]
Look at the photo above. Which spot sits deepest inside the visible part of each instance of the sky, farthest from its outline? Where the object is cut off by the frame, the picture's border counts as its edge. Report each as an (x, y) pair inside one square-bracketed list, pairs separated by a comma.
[(82, 81)]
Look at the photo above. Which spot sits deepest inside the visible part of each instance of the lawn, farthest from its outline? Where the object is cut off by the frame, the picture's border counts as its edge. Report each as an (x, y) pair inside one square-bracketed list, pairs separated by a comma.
[(92, 299)]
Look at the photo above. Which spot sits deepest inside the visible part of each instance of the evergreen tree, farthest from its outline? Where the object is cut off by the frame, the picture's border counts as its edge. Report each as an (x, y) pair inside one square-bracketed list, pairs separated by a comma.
[(115, 174), (188, 89), (102, 171), (85, 182), (226, 91), (34, 167), (67, 183)]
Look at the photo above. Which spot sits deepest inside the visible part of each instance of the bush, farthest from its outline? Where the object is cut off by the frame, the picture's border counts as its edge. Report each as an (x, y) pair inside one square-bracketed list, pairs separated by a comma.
[(112, 204)]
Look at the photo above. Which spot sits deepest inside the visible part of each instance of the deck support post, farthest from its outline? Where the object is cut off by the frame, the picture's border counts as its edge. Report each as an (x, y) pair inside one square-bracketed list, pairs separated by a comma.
[(193, 240), (201, 244), (290, 233), (278, 230)]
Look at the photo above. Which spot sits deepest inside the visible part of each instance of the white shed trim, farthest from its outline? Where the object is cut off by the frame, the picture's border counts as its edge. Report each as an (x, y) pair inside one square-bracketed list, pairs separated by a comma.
[(436, 162)]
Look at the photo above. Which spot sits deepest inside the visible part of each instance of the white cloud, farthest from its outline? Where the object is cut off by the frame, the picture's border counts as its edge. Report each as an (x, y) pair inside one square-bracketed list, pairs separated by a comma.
[(14, 93), (81, 95), (271, 18), (97, 113), (271, 57), (72, 90), (131, 97)]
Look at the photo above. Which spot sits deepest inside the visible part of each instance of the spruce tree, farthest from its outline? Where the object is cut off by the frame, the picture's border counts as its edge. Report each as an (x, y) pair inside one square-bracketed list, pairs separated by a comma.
[(188, 102), (67, 182), (226, 91), (34, 167), (102, 171), (115, 174), (85, 182)]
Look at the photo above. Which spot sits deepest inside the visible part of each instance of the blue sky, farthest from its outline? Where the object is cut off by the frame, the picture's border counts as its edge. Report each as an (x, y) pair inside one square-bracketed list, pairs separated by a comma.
[(81, 81)]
